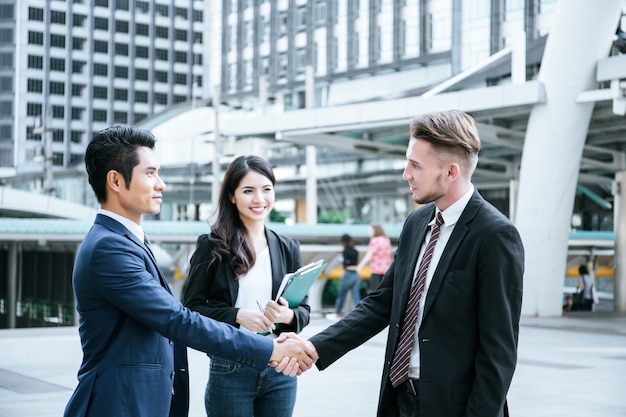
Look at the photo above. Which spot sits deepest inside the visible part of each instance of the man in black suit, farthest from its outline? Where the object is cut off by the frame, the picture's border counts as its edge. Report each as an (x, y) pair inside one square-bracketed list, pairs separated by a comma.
[(462, 329)]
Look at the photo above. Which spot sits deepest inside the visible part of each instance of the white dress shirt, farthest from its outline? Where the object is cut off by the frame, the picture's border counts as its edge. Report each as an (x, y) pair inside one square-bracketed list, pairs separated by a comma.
[(450, 217)]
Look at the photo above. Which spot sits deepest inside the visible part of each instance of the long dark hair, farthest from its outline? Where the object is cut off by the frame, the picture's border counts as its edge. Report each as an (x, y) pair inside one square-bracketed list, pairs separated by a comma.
[(230, 239)]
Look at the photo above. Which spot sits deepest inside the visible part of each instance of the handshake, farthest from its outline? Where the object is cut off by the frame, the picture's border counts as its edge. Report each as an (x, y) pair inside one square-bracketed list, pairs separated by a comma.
[(292, 355)]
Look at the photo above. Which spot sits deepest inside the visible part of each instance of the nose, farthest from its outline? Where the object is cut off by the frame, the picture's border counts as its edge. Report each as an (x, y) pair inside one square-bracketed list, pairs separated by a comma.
[(405, 174), (160, 184)]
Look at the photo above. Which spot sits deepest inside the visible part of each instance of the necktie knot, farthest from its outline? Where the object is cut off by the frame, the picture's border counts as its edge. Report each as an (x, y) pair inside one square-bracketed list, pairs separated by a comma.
[(438, 219)]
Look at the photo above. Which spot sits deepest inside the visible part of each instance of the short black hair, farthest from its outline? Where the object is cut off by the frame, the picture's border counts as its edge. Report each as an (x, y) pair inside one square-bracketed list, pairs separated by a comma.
[(114, 148)]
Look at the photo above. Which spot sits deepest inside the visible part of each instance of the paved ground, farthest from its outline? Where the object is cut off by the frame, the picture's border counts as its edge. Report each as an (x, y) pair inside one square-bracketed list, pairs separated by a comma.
[(572, 366)]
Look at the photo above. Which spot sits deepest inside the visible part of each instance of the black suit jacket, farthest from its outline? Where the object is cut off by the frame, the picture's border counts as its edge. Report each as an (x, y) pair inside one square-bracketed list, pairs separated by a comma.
[(214, 293), (469, 332)]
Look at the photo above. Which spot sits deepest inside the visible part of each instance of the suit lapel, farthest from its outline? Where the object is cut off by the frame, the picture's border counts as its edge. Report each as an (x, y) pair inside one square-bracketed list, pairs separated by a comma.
[(457, 237), (119, 228), (276, 260)]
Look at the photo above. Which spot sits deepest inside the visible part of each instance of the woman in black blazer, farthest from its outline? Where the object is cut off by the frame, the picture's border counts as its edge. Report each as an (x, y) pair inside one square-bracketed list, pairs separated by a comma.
[(235, 274)]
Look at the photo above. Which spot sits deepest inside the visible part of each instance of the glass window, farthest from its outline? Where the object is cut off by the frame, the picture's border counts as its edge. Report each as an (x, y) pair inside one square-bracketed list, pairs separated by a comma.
[(160, 54), (57, 17), (180, 79), (180, 56), (100, 46), (35, 38), (78, 44), (77, 66), (121, 49), (162, 32), (34, 86), (100, 69), (58, 112), (142, 29), (161, 9), (35, 13), (35, 61), (6, 11), (33, 109), (120, 94), (100, 23), (142, 6), (6, 35), (141, 74), (121, 26), (99, 115), (78, 20), (160, 76), (6, 108), (122, 5), (180, 12), (100, 92), (120, 117), (76, 136), (181, 35), (77, 113), (57, 64), (141, 96), (141, 51), (57, 41), (77, 90), (121, 72), (57, 88), (160, 98), (102, 3)]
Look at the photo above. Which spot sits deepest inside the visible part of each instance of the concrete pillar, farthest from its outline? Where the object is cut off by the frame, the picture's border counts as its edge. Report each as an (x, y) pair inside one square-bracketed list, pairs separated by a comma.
[(581, 34), (311, 153), (619, 293)]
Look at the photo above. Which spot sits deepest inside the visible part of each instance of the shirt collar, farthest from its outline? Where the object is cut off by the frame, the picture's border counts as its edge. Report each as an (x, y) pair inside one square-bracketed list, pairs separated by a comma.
[(132, 227), (452, 214)]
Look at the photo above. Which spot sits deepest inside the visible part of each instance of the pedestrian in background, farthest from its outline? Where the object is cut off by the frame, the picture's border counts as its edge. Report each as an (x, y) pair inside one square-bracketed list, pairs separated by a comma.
[(585, 285), (350, 281), (378, 255)]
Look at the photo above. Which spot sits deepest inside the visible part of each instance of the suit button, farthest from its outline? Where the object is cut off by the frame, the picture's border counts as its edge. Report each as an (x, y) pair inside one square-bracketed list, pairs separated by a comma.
[(171, 342), (254, 364), (172, 375)]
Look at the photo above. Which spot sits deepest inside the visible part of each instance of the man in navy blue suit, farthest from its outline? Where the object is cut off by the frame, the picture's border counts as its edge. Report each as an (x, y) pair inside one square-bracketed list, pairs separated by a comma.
[(133, 331)]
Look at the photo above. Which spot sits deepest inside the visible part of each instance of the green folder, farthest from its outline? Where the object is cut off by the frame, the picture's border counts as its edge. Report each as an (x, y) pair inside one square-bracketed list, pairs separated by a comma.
[(295, 286)]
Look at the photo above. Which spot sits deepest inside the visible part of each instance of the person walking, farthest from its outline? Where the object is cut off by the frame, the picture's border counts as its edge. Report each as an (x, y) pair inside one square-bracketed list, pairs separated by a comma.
[(452, 298), (350, 280), (378, 255), (585, 285), (235, 274), (134, 332)]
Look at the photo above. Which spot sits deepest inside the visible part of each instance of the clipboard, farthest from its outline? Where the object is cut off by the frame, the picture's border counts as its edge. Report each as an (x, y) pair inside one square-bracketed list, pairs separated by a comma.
[(295, 286)]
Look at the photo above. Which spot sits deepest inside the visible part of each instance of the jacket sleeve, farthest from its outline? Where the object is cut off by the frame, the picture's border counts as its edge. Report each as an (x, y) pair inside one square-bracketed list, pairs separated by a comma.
[(207, 291), (302, 313)]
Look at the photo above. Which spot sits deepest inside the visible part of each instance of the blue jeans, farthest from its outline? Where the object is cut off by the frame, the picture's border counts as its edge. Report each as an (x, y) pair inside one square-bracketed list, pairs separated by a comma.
[(236, 390), (350, 281)]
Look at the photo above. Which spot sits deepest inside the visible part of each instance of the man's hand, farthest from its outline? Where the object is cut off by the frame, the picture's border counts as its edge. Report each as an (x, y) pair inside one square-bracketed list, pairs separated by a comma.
[(292, 355)]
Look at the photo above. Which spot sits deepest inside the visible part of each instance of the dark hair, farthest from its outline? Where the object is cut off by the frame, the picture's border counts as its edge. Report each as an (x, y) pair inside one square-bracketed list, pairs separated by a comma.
[(582, 270), (114, 148), (231, 243), (347, 240)]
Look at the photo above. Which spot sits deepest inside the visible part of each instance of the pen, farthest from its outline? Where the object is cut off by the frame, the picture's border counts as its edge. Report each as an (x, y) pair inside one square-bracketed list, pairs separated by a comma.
[(263, 312)]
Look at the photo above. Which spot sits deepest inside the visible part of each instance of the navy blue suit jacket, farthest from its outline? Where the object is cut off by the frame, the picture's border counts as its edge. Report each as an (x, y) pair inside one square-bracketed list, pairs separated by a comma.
[(129, 323)]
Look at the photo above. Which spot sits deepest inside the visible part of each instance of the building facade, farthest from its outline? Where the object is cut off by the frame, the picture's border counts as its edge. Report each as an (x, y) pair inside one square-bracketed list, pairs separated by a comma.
[(73, 67)]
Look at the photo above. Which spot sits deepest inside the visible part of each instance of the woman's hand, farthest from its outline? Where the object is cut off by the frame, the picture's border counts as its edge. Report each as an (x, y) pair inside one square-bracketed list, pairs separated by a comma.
[(255, 321), (279, 312)]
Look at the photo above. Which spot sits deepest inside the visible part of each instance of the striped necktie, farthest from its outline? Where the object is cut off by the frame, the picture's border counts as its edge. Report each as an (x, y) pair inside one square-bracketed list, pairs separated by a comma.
[(399, 372)]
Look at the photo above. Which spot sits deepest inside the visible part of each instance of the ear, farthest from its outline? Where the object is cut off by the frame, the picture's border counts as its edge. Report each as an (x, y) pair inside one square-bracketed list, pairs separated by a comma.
[(114, 180), (454, 171)]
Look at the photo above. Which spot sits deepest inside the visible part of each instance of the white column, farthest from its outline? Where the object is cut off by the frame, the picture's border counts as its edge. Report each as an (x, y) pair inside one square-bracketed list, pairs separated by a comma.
[(581, 34), (619, 277), (311, 154)]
